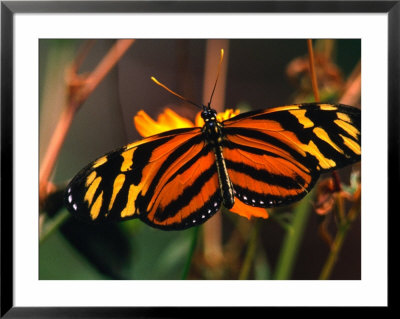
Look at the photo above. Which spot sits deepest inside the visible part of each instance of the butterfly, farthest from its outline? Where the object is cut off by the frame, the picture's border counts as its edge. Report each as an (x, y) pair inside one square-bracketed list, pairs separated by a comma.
[(180, 178)]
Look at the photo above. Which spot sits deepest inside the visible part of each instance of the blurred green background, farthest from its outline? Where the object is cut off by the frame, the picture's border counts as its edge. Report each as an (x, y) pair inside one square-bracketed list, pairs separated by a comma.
[(260, 75)]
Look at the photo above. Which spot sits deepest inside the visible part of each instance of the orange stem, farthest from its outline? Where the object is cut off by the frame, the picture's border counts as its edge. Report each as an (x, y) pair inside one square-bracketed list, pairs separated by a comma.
[(312, 70), (212, 231), (105, 65), (353, 92), (53, 150)]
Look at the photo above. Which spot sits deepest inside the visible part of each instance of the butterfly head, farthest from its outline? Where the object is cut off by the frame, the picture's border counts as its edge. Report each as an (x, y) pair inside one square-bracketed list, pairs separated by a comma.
[(208, 114)]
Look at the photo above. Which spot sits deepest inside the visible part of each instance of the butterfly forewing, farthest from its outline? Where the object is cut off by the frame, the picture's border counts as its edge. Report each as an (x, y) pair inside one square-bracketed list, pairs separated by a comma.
[(275, 156), (168, 180)]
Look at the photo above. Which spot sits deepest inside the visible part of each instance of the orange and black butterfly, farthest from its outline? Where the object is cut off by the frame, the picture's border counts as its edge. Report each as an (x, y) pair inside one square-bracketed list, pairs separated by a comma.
[(180, 178)]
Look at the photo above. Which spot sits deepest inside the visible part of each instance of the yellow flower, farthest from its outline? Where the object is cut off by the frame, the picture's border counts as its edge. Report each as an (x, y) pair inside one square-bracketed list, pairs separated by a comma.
[(170, 120), (247, 211), (166, 121)]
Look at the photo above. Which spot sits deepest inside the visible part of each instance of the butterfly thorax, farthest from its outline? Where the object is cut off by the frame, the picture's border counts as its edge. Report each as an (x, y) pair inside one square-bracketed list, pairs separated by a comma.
[(212, 128), (212, 131)]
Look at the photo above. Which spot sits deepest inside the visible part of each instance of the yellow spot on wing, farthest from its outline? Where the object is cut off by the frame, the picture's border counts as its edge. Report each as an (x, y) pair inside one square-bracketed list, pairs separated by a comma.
[(328, 107), (324, 162), (354, 146), (350, 129), (129, 209), (302, 118), (90, 178), (283, 108), (127, 163), (100, 161), (92, 189), (323, 135), (118, 183), (291, 139), (95, 210), (343, 117)]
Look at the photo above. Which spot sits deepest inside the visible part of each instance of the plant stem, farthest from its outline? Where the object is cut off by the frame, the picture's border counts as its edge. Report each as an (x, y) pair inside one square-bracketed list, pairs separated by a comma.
[(56, 141), (250, 253), (293, 239), (313, 74), (334, 252), (50, 226), (352, 93), (195, 235), (341, 234), (339, 204)]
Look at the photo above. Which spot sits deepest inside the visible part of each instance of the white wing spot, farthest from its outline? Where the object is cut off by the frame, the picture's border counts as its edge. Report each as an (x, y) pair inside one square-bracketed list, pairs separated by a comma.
[(70, 198), (74, 207)]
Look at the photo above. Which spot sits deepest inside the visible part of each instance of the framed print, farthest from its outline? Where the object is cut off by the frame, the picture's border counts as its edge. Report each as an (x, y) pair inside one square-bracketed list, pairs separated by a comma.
[(164, 155)]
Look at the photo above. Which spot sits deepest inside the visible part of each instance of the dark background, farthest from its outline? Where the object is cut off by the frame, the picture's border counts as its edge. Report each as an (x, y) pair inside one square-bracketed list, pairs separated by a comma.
[(256, 79)]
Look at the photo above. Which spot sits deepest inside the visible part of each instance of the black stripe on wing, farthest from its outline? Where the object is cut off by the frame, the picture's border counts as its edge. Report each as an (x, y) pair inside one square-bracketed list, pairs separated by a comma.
[(329, 134)]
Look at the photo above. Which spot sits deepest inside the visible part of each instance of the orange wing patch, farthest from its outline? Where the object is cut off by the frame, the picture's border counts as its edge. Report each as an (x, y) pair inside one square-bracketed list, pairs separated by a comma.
[(189, 195), (266, 180)]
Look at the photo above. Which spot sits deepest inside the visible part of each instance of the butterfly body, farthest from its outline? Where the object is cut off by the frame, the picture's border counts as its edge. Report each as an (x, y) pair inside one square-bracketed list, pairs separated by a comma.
[(180, 178), (213, 134)]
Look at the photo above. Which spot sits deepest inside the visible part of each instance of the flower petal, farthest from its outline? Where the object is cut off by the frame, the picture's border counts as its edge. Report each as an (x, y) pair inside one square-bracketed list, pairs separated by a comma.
[(145, 125), (229, 113), (247, 211), (166, 121), (170, 118), (198, 121)]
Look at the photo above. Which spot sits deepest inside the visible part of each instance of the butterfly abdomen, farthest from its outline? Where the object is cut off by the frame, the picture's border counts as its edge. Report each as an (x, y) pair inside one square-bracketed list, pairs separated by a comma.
[(225, 184)]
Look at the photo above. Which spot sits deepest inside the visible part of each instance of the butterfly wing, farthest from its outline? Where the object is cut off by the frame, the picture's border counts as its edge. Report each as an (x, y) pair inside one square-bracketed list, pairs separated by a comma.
[(275, 156), (168, 180)]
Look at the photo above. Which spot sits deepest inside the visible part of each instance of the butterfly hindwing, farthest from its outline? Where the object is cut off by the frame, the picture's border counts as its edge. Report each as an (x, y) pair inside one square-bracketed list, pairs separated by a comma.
[(167, 180), (275, 156)]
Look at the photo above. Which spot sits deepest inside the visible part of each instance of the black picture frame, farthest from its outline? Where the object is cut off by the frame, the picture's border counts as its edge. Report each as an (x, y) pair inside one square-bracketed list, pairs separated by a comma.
[(9, 8)]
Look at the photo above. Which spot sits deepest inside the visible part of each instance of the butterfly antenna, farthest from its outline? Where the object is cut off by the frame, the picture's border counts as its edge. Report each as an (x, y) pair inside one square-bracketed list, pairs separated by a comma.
[(216, 80), (174, 93)]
